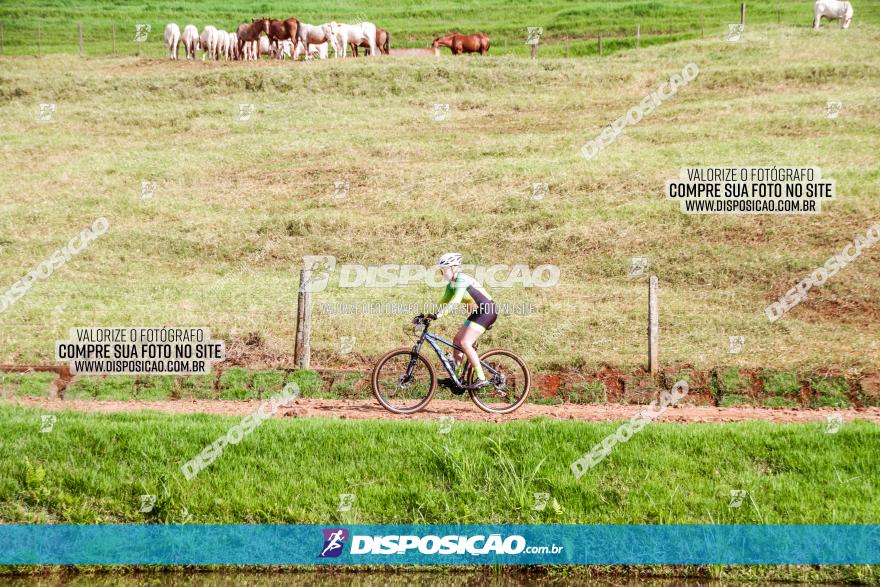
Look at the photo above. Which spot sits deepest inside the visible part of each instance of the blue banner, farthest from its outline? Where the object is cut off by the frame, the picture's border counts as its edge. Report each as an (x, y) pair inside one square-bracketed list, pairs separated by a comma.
[(47, 544)]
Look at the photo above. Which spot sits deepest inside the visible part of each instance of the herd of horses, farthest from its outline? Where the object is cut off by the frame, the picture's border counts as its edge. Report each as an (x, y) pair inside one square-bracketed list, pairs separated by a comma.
[(293, 38)]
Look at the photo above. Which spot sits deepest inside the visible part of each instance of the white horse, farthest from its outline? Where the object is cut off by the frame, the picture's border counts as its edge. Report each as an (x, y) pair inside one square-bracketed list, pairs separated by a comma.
[(190, 40), (222, 45), (284, 48), (208, 42), (254, 49), (310, 34), (355, 33), (233, 46), (321, 50), (172, 40), (830, 9)]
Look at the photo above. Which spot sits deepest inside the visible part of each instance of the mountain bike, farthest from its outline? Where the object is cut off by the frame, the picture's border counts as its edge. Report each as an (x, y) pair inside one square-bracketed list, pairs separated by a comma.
[(404, 381)]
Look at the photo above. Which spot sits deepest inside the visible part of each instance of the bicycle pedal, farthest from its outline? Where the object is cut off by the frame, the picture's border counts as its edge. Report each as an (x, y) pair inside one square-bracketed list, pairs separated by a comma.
[(449, 384)]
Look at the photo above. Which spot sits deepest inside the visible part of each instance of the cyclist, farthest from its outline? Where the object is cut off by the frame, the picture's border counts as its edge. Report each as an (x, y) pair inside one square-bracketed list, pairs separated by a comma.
[(462, 288)]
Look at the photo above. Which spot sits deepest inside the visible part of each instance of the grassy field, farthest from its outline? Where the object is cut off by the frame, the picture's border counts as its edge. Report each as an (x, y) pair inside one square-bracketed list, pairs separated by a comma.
[(569, 30), (238, 204), (94, 468), (600, 576)]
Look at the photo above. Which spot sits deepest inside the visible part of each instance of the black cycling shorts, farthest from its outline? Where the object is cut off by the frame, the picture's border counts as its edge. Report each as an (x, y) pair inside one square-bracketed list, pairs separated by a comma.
[(484, 317)]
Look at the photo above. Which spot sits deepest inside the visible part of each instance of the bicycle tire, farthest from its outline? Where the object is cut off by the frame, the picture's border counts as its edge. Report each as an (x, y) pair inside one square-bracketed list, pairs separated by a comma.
[(528, 382), (374, 379)]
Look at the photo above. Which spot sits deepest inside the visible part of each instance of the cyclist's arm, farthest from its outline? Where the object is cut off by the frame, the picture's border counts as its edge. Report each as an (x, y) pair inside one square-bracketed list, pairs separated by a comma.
[(453, 295)]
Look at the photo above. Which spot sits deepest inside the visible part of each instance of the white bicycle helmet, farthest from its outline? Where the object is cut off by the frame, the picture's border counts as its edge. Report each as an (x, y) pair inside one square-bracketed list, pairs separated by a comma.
[(450, 260)]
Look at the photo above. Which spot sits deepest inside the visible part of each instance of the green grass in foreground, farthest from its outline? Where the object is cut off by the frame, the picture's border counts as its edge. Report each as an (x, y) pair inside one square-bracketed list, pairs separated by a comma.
[(497, 576), (94, 468)]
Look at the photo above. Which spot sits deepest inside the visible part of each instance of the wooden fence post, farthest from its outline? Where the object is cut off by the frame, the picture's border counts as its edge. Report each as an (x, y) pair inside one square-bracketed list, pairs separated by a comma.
[(742, 13), (653, 323), (114, 39), (638, 36), (303, 351), (600, 44), (702, 30), (79, 25)]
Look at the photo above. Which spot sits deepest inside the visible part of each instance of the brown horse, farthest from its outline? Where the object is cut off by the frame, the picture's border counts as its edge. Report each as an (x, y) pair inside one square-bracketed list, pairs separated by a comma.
[(279, 30), (459, 43), (248, 33), (383, 43)]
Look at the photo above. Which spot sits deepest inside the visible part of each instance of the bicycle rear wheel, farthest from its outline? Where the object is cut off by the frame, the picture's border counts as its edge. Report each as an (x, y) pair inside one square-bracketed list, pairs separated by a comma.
[(404, 382), (508, 387)]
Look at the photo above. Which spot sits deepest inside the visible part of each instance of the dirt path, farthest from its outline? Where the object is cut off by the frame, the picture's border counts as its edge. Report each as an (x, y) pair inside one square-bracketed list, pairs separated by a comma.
[(460, 410)]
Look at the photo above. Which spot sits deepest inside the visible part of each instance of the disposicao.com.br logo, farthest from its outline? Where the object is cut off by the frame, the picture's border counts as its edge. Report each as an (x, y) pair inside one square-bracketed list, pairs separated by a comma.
[(476, 545)]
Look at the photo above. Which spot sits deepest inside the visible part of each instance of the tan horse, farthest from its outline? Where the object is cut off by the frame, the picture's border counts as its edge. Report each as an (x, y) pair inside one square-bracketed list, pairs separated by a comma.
[(383, 43), (317, 35), (459, 43)]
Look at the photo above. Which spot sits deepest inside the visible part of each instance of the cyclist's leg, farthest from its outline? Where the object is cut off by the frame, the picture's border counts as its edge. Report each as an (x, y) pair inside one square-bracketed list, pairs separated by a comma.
[(475, 326), (472, 332), (458, 355)]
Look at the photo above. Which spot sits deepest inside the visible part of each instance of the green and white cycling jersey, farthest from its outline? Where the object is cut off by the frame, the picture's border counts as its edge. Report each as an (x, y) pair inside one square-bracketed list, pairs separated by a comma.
[(464, 289)]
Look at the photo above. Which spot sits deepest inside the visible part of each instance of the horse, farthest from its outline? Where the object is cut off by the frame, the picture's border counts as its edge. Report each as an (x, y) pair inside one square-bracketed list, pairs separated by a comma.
[(832, 10), (315, 35), (322, 50), (383, 43), (208, 41), (279, 30), (190, 40), (222, 45), (364, 32), (234, 51), (261, 46), (459, 43), (285, 49), (247, 33), (172, 40)]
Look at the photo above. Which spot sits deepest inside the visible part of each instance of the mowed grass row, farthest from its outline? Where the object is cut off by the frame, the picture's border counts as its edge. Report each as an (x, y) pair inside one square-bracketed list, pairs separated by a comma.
[(238, 204), (569, 30), (94, 468)]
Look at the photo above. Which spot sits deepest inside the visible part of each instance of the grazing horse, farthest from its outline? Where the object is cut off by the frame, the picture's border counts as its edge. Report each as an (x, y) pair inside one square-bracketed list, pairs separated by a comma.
[(316, 35), (321, 50), (459, 43), (832, 10), (383, 43), (279, 30), (233, 46), (222, 45), (246, 34), (262, 46), (357, 34), (208, 41), (172, 40), (190, 40)]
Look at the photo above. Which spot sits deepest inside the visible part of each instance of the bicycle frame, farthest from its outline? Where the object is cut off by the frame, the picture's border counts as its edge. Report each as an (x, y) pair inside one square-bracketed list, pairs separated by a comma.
[(435, 341)]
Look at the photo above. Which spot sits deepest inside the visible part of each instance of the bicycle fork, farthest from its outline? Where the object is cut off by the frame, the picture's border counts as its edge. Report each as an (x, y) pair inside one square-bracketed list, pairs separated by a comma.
[(414, 357)]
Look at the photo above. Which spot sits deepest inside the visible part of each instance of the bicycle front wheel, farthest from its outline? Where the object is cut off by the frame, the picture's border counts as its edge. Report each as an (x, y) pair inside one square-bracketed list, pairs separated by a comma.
[(404, 382), (508, 386)]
